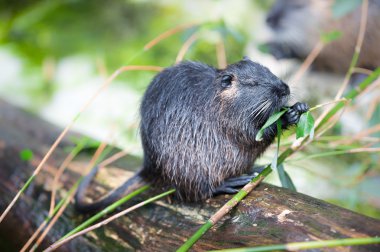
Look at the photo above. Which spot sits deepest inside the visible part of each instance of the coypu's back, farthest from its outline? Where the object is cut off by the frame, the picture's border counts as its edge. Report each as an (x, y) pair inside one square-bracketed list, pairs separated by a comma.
[(297, 26)]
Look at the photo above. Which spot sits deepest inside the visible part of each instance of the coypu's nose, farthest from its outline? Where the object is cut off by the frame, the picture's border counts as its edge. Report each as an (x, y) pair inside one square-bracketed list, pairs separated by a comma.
[(283, 89)]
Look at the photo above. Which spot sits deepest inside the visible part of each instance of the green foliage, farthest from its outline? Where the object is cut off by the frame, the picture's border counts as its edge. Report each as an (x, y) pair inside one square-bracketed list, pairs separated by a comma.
[(285, 179), (305, 126), (328, 37), (272, 119), (26, 155), (263, 48)]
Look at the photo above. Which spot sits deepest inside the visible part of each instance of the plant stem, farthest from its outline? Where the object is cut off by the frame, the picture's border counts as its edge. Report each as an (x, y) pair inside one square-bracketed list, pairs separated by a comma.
[(351, 95), (225, 209), (108, 209), (102, 223), (295, 246), (104, 85)]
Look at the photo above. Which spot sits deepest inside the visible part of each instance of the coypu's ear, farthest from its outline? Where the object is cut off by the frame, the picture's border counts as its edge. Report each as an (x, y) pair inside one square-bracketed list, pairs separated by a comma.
[(226, 80), (246, 57)]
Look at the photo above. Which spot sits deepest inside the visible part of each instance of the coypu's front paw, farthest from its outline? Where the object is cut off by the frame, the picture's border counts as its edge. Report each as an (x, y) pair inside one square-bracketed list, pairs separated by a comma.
[(292, 116), (232, 185)]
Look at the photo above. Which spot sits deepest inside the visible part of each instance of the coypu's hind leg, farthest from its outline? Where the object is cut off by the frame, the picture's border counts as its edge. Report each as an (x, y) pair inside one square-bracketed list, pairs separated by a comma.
[(232, 185)]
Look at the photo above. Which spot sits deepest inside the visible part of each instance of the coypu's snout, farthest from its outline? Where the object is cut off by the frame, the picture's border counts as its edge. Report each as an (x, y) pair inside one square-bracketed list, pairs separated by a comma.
[(285, 91), (281, 89)]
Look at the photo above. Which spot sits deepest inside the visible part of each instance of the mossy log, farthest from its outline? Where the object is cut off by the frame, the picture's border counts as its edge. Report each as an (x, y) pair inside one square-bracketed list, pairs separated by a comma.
[(269, 215)]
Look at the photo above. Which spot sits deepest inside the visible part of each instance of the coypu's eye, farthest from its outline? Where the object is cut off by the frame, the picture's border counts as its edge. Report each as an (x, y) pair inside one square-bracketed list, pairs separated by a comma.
[(226, 80)]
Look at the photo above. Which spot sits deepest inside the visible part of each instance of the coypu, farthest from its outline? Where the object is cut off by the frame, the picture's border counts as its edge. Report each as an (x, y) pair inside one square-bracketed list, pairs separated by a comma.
[(297, 26), (198, 128)]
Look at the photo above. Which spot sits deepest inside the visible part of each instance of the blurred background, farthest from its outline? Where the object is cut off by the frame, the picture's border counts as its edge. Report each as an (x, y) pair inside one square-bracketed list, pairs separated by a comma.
[(54, 55)]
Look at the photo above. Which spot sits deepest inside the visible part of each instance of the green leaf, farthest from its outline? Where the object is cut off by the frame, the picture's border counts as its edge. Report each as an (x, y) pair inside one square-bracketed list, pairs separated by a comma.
[(328, 37), (285, 179), (26, 155), (279, 132), (343, 7), (305, 126), (272, 119), (263, 48)]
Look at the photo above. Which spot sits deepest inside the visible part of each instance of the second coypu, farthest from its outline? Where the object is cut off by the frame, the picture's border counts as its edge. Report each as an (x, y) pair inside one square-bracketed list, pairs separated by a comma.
[(297, 26), (198, 129)]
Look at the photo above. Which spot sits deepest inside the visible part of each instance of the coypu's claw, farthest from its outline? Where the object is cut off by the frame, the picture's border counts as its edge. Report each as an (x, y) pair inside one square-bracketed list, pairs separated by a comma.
[(232, 185), (292, 116)]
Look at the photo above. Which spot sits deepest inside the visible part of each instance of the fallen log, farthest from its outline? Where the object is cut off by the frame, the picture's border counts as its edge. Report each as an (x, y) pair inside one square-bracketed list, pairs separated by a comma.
[(268, 215)]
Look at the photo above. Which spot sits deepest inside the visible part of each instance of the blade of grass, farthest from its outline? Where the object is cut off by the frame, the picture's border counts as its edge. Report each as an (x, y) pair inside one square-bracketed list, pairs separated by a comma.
[(334, 153), (167, 34), (285, 179), (100, 224), (68, 127), (54, 208), (350, 96), (225, 209), (295, 246), (75, 151), (358, 46), (186, 46), (106, 210), (272, 119), (44, 223), (70, 196), (279, 132)]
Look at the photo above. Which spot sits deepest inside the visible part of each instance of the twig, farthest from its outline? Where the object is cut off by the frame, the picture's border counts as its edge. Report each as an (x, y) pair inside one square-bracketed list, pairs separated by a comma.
[(354, 59), (102, 223), (350, 96), (91, 164), (185, 47), (358, 46), (42, 225), (327, 103), (60, 171), (372, 108), (333, 153), (113, 158), (225, 209), (361, 70), (296, 246), (68, 127), (308, 61), (168, 33), (359, 135), (221, 54)]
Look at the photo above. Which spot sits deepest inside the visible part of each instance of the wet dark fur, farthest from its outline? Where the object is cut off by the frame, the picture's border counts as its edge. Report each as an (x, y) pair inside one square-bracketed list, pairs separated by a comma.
[(198, 126)]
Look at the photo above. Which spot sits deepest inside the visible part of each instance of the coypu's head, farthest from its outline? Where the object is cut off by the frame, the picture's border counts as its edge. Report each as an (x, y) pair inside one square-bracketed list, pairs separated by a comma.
[(249, 93)]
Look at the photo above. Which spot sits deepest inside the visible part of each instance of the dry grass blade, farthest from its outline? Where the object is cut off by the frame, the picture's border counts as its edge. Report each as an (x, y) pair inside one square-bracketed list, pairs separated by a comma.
[(168, 34), (113, 158), (185, 47), (226, 208), (93, 161), (355, 57), (358, 46), (221, 54), (68, 127), (105, 222), (307, 62)]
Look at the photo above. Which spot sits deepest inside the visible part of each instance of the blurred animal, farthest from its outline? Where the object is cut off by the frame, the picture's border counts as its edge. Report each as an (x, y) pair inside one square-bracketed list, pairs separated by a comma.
[(297, 26)]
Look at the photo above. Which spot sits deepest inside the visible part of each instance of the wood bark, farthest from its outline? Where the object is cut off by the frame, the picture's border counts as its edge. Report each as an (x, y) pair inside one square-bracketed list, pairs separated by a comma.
[(269, 215)]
